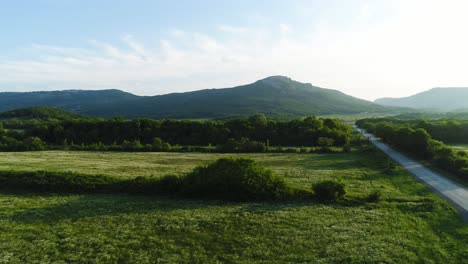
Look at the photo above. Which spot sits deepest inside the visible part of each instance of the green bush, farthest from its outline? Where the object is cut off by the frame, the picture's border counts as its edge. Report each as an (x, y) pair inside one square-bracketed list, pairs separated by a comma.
[(234, 179), (243, 146), (226, 179), (169, 184), (329, 190), (374, 196), (56, 181), (347, 148), (34, 144), (325, 143)]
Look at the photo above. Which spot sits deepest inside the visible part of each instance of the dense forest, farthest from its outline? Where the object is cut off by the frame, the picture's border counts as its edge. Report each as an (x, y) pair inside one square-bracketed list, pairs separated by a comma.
[(252, 134), (421, 139), (25, 118)]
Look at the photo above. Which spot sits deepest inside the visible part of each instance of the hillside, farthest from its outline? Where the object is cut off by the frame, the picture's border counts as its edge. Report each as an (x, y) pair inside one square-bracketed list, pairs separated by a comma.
[(438, 99), (275, 96), (40, 112), (71, 100), (24, 118)]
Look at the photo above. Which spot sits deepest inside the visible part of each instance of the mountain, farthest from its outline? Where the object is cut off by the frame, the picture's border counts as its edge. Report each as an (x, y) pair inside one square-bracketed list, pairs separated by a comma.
[(71, 100), (275, 96), (438, 99)]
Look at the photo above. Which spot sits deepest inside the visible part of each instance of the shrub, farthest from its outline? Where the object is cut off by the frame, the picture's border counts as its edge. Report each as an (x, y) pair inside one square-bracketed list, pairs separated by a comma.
[(325, 142), (230, 146), (227, 179), (290, 150), (234, 179), (347, 148), (34, 144), (329, 190), (253, 147), (374, 196), (243, 145), (142, 185), (390, 168), (55, 181), (132, 145), (168, 184)]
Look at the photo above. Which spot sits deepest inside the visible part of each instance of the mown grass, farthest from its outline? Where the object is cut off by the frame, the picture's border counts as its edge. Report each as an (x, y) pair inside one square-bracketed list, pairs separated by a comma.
[(409, 225)]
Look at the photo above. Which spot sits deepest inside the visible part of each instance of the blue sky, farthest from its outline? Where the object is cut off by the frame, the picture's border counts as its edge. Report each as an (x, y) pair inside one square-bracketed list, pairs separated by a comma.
[(368, 49)]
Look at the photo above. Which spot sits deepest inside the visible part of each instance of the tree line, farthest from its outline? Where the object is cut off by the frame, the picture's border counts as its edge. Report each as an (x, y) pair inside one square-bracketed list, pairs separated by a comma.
[(450, 131), (418, 142), (249, 134)]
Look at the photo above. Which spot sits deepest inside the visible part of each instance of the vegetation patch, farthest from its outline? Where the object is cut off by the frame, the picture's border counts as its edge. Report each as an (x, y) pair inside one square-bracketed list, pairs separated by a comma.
[(225, 179), (234, 179), (329, 190), (253, 134), (416, 137), (55, 181)]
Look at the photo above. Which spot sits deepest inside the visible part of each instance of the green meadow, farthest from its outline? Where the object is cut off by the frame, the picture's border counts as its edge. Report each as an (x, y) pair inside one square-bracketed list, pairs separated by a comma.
[(408, 225)]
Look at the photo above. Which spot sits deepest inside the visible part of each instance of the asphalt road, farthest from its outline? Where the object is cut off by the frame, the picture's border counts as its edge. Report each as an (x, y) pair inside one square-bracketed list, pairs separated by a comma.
[(453, 192)]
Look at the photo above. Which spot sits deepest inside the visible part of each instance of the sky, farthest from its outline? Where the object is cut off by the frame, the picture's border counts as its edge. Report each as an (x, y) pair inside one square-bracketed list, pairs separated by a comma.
[(367, 49)]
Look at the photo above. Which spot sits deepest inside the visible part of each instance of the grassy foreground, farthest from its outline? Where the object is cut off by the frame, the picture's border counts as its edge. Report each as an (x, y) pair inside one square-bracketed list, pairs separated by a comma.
[(409, 225)]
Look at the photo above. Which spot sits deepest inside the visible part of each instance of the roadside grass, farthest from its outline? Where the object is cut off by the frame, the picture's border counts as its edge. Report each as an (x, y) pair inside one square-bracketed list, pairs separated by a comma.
[(409, 225), (460, 147)]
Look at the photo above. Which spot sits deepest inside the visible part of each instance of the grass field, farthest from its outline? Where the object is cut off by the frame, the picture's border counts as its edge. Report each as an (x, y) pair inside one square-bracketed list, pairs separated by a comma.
[(409, 225)]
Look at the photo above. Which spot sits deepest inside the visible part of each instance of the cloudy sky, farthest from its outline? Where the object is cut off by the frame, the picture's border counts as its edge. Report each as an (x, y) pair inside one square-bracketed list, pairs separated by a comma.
[(368, 49)]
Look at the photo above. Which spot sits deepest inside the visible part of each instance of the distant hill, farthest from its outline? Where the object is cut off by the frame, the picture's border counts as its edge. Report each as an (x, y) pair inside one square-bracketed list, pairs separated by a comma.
[(27, 117), (275, 96), (433, 115), (438, 99), (71, 100), (41, 113)]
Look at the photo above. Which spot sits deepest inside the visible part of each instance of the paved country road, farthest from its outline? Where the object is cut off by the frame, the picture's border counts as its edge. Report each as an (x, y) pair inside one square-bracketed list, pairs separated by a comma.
[(453, 192)]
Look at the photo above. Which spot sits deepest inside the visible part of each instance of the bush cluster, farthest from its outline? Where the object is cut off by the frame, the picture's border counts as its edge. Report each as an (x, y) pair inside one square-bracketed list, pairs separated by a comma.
[(329, 190), (225, 179), (56, 181), (374, 196), (234, 179), (14, 141), (243, 145)]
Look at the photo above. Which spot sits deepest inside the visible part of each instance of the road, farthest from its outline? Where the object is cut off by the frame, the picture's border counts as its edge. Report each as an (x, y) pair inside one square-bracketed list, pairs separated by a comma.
[(453, 192)]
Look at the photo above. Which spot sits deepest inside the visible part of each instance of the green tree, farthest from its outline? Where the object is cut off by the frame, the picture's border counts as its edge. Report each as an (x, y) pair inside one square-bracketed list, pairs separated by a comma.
[(34, 144), (258, 120), (325, 142)]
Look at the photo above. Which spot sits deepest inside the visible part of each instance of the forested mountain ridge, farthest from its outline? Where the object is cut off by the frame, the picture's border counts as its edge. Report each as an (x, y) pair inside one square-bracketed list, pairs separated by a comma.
[(28, 117), (440, 99), (275, 96), (41, 113), (71, 100)]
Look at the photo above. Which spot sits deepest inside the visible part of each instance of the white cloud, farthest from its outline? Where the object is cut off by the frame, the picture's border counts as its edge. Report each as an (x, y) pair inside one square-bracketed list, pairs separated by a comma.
[(419, 45), (232, 29)]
